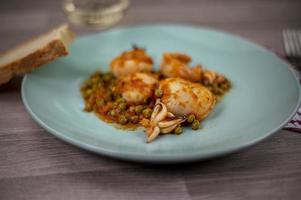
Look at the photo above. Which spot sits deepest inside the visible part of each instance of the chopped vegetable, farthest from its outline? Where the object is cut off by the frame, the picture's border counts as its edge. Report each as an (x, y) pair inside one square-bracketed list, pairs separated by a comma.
[(147, 112), (100, 102), (122, 106), (158, 93), (195, 125), (120, 100), (112, 113), (190, 118), (138, 109), (132, 109), (123, 119), (87, 93), (107, 77), (178, 130), (134, 119)]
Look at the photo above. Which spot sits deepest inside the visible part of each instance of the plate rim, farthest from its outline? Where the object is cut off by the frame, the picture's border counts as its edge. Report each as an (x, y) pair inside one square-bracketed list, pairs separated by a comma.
[(157, 158)]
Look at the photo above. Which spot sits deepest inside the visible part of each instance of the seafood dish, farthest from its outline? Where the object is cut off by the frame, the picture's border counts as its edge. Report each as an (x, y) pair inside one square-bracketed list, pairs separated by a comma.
[(134, 95)]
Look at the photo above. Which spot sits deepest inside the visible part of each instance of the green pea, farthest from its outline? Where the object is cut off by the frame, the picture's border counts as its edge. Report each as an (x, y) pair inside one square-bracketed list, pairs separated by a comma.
[(123, 119), (178, 130), (195, 125), (100, 84), (100, 102), (134, 119), (120, 100), (147, 112), (190, 118), (88, 93), (94, 88), (95, 108), (122, 106), (220, 91), (112, 113), (132, 109), (225, 86), (107, 77), (88, 107), (115, 104), (158, 93), (116, 96), (96, 74), (138, 109), (95, 79)]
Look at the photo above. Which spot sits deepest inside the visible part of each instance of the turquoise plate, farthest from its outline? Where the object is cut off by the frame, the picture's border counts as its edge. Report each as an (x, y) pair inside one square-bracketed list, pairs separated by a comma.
[(264, 96)]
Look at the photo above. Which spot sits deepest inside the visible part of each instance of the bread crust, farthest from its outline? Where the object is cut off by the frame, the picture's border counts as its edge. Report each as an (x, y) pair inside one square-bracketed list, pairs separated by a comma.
[(48, 53), (5, 75)]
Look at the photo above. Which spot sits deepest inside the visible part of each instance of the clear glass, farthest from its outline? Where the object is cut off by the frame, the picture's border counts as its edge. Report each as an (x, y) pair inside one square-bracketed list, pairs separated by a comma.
[(98, 13)]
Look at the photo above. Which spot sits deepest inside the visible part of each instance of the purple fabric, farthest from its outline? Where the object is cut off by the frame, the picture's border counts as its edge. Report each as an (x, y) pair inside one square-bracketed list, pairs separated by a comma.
[(295, 123)]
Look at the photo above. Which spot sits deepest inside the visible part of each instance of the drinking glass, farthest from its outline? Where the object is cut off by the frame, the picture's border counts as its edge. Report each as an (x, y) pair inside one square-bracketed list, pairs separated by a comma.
[(97, 13)]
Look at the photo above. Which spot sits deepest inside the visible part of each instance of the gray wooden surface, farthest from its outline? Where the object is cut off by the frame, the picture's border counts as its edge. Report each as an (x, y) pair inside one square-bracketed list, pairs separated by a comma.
[(36, 165)]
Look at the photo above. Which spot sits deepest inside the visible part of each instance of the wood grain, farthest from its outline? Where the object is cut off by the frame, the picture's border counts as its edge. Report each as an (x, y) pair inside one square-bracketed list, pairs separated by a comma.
[(36, 165)]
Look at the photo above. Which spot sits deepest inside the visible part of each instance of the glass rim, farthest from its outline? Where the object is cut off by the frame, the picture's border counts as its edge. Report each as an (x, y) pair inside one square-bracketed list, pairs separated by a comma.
[(123, 5)]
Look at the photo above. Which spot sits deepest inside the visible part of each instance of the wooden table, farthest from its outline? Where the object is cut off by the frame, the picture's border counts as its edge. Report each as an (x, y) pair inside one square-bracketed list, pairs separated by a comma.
[(36, 165)]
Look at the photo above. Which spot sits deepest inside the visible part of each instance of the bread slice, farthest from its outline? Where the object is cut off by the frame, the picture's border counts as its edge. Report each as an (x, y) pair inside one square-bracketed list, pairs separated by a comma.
[(36, 52)]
